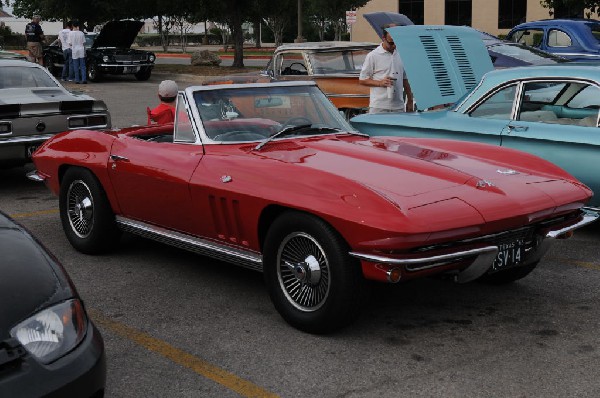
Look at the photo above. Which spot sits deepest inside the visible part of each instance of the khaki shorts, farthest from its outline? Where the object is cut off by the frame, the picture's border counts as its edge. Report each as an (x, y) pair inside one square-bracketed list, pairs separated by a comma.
[(35, 50)]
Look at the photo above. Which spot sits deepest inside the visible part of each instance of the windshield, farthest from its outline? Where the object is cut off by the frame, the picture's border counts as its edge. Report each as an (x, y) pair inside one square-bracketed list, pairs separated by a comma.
[(89, 39), (20, 77), (257, 112), (347, 61)]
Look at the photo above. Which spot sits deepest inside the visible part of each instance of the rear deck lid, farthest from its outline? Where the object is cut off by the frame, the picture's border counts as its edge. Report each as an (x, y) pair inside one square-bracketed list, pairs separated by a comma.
[(442, 63)]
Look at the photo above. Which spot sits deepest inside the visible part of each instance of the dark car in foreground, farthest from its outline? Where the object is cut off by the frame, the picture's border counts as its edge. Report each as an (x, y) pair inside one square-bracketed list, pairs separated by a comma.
[(574, 39), (109, 53), (48, 345), (34, 106)]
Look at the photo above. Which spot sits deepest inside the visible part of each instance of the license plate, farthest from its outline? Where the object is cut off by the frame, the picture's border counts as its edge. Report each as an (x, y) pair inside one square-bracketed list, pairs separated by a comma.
[(509, 255), (131, 69)]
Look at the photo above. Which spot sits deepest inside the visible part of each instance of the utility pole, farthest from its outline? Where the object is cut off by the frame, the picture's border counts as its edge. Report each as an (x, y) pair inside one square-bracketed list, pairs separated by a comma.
[(299, 39)]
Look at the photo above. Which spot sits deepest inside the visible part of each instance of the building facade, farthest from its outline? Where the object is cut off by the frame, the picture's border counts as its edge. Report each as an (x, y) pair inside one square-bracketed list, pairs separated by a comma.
[(492, 16)]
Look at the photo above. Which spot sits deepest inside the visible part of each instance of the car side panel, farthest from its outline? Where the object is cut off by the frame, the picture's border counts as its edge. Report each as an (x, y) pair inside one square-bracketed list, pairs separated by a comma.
[(575, 149), (442, 124)]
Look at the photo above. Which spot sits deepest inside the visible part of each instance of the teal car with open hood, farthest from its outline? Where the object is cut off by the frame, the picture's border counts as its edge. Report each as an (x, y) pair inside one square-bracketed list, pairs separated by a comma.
[(551, 111)]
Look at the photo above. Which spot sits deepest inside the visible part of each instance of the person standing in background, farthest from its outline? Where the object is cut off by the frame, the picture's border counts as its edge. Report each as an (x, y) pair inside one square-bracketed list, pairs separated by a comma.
[(35, 37), (63, 37), (77, 44), (383, 71)]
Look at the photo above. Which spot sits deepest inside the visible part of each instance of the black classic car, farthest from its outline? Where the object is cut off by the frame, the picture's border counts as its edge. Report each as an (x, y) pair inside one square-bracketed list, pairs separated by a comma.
[(48, 345), (108, 52)]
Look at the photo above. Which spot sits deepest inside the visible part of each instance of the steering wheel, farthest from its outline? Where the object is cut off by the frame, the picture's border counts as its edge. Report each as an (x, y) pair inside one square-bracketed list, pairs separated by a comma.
[(238, 135), (297, 121)]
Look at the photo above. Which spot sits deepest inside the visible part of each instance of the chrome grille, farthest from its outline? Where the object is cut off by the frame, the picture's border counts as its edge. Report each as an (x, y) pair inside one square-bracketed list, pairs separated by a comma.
[(131, 57)]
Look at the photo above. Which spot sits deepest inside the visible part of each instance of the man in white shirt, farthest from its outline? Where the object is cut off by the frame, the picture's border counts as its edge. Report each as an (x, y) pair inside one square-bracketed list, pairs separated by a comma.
[(77, 43), (383, 71), (63, 37)]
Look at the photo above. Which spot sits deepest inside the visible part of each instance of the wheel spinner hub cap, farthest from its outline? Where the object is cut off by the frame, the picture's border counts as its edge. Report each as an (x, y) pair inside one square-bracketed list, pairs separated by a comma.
[(80, 209), (303, 272)]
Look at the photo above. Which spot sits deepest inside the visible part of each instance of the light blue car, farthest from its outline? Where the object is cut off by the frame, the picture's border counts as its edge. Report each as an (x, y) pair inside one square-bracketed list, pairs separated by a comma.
[(550, 111)]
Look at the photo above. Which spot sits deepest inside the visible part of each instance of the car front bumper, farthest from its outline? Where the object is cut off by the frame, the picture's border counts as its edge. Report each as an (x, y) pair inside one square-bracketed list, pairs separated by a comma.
[(471, 260), (80, 373)]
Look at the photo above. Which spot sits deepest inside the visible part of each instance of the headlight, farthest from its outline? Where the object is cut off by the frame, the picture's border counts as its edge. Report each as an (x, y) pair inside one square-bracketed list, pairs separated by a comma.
[(53, 332), (105, 58), (151, 57)]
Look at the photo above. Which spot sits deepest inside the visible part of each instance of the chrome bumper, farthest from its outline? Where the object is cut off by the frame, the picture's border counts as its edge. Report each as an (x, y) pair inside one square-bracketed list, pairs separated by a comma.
[(24, 139), (483, 257)]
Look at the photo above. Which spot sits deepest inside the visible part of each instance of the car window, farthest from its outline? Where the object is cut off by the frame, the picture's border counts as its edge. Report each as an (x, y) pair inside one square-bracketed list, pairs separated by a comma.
[(595, 29), (569, 103), (498, 106), (20, 77), (349, 61), (291, 63), (558, 38), (529, 37), (184, 132)]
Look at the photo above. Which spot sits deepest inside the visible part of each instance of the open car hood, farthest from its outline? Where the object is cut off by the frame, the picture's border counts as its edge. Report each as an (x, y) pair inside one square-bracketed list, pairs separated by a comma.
[(119, 34), (442, 63), (380, 18)]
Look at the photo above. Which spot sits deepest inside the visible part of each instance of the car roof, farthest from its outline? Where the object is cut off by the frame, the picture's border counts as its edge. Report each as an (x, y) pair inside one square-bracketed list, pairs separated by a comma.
[(18, 62), (326, 45), (566, 70), (555, 22)]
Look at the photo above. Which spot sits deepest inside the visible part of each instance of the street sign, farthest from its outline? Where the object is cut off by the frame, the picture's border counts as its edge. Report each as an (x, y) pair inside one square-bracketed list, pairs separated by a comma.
[(350, 17)]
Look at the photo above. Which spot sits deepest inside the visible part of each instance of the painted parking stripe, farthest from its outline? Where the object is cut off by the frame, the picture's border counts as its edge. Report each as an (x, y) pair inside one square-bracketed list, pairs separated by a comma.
[(180, 357), (34, 213)]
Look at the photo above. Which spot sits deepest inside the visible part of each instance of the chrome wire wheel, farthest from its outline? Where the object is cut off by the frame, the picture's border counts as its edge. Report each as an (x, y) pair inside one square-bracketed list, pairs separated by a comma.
[(80, 208), (303, 271)]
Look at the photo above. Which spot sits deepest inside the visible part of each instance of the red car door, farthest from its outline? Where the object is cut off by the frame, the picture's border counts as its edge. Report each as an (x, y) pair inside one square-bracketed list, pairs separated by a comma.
[(151, 181)]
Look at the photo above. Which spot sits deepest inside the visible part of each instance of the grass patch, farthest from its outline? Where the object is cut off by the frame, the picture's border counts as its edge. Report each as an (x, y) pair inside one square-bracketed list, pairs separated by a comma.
[(203, 70)]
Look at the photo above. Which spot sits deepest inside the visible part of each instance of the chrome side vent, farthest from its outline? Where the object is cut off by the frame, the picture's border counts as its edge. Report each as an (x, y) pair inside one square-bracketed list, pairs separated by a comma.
[(227, 220)]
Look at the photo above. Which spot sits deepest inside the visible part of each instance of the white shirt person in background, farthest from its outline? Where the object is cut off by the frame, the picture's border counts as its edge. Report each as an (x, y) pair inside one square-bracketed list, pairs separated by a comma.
[(383, 71), (77, 43), (63, 37)]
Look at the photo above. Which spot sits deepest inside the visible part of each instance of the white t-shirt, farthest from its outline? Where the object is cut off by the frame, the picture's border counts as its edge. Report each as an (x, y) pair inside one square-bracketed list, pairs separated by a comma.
[(63, 36), (378, 64), (77, 43)]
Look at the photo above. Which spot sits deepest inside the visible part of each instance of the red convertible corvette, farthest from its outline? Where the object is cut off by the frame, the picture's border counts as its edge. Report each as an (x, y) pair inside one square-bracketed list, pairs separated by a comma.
[(271, 177)]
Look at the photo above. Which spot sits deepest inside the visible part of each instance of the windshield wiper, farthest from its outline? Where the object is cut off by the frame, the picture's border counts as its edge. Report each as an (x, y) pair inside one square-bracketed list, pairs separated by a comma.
[(285, 130), (292, 129)]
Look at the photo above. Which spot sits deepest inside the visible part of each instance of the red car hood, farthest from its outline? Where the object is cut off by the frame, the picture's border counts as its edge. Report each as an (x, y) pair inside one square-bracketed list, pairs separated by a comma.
[(413, 176)]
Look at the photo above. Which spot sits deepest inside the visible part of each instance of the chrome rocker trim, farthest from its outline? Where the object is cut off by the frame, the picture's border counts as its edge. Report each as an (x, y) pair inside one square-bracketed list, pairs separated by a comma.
[(244, 258)]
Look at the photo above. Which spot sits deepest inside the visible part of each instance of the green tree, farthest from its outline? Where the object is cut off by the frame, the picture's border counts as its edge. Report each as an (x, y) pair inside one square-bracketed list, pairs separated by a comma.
[(332, 12), (592, 6)]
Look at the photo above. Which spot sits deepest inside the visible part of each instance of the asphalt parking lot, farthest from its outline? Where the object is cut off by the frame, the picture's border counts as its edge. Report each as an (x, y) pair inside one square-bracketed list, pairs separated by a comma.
[(177, 324)]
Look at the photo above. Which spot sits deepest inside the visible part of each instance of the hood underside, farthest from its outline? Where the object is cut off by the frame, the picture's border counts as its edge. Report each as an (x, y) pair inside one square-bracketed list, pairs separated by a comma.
[(119, 34)]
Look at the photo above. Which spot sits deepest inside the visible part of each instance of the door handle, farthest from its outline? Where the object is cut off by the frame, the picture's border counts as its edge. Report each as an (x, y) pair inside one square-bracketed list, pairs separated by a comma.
[(516, 128), (117, 158)]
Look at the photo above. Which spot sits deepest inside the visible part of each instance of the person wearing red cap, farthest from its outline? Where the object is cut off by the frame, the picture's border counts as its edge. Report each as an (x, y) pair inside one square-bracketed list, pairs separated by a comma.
[(165, 111)]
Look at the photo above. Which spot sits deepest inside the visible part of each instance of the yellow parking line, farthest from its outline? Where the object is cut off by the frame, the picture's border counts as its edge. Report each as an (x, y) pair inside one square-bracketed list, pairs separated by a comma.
[(586, 264), (34, 213), (201, 367), (578, 263)]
